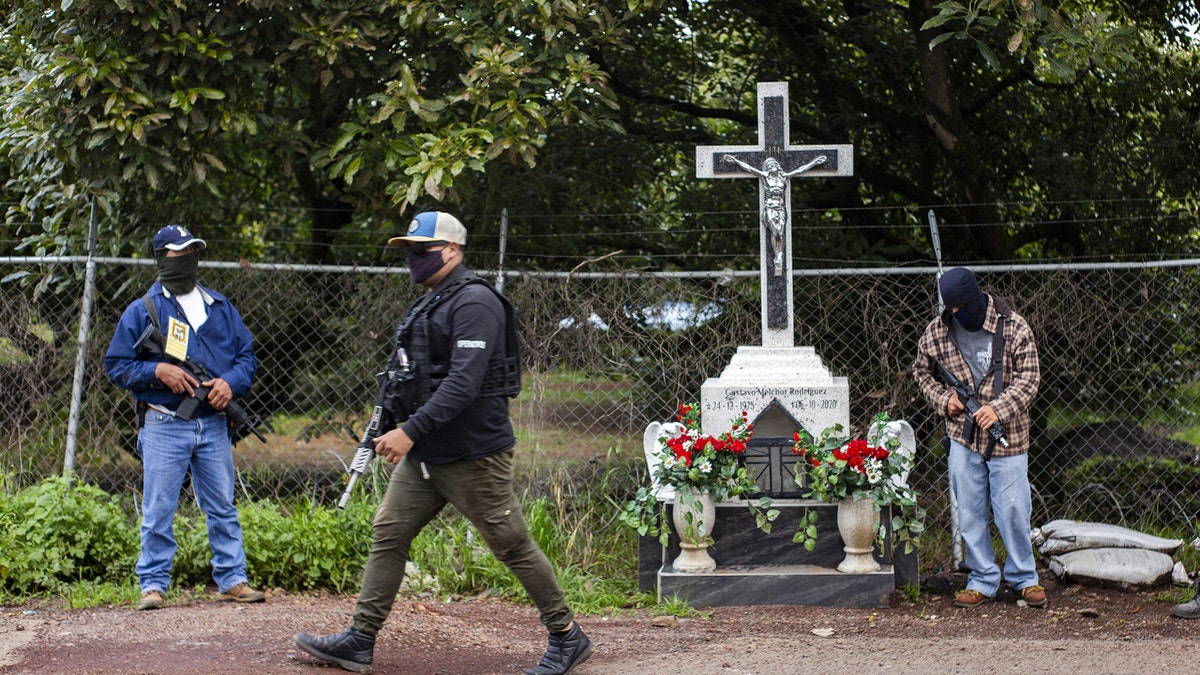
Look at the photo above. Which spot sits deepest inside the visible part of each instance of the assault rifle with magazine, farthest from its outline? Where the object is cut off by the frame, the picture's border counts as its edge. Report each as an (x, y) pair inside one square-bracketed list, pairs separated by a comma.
[(152, 343), (972, 404), (383, 419)]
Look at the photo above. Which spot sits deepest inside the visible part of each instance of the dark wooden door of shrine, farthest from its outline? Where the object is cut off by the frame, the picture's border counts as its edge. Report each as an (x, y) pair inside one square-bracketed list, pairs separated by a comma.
[(772, 464)]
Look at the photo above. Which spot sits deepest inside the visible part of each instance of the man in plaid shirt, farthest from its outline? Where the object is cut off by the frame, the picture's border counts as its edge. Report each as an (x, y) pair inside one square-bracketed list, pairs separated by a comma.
[(964, 340)]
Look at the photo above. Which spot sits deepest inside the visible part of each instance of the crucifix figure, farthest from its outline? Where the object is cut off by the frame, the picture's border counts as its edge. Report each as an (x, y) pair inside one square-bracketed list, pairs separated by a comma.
[(774, 161), (775, 214)]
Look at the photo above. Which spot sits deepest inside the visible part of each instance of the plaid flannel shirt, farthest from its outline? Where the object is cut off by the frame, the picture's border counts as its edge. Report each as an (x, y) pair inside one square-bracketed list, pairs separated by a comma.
[(1021, 377)]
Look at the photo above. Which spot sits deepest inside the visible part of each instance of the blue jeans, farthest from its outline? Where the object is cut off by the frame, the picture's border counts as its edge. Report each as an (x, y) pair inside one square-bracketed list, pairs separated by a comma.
[(170, 447), (1003, 485)]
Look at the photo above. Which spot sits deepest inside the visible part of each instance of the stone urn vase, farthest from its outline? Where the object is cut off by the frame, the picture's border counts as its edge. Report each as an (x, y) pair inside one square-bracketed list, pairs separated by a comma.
[(857, 521), (694, 515)]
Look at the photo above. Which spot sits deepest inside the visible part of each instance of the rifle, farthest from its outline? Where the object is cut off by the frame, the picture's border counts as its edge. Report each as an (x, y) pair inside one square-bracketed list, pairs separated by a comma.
[(382, 420), (996, 431), (152, 343)]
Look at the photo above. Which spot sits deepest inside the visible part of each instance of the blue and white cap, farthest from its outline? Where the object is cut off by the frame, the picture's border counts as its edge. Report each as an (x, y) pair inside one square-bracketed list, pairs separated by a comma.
[(432, 226), (175, 238)]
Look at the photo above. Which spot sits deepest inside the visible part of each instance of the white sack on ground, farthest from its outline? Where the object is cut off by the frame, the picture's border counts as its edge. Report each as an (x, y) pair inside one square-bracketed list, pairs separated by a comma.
[(1125, 565), (1061, 536)]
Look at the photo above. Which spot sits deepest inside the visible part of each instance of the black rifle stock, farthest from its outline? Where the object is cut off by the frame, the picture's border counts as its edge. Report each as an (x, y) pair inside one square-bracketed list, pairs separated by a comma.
[(151, 342), (996, 431)]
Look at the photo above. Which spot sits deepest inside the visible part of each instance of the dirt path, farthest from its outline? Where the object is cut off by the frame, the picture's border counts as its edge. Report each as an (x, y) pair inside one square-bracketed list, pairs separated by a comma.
[(1085, 630)]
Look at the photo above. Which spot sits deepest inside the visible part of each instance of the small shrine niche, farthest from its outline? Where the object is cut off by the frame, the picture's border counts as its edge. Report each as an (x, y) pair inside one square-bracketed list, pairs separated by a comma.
[(769, 458)]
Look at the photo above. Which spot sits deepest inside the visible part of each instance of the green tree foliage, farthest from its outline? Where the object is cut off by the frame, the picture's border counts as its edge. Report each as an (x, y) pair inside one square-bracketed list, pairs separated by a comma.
[(1037, 163), (1036, 129), (355, 108)]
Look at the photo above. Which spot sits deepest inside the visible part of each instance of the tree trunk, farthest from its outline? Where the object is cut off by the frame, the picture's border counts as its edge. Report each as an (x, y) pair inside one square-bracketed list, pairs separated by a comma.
[(944, 118)]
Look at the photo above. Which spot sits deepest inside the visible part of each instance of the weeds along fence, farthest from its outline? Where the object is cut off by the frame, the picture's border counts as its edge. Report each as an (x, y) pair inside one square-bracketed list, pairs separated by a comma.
[(606, 352)]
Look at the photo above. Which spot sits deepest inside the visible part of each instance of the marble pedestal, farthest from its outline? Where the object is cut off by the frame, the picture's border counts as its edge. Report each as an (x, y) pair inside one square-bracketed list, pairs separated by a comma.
[(781, 388), (754, 568)]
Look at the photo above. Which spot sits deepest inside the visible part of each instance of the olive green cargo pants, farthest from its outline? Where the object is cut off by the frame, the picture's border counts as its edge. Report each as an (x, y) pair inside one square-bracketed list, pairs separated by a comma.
[(482, 491)]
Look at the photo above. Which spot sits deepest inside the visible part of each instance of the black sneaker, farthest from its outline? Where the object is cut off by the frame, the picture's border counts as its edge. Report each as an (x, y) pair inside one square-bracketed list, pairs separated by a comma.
[(566, 650), (351, 649)]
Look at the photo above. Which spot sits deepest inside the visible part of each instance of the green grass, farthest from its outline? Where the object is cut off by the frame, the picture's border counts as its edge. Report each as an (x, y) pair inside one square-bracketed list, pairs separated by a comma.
[(549, 445), (1182, 417), (1064, 418), (576, 387), (90, 593), (1175, 595), (299, 545)]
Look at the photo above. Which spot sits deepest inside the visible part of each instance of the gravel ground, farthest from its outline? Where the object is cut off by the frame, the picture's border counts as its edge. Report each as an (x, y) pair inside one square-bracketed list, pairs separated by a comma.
[(1083, 629)]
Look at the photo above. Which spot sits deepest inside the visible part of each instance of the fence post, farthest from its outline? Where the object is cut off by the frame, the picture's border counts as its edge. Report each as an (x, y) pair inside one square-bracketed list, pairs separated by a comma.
[(503, 245), (85, 317), (955, 530)]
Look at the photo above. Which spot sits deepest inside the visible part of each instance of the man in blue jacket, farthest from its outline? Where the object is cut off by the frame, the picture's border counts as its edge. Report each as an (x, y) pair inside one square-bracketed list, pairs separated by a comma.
[(201, 325)]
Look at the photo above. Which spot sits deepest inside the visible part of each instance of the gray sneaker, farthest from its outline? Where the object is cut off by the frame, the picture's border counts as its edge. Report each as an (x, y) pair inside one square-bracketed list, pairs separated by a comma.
[(1188, 610)]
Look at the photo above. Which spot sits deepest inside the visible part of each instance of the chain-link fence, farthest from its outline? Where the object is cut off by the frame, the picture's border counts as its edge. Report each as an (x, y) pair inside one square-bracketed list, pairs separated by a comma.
[(606, 352)]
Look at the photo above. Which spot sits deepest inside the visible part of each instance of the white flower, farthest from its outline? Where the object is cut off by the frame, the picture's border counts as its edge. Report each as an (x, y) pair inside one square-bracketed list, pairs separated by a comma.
[(874, 470)]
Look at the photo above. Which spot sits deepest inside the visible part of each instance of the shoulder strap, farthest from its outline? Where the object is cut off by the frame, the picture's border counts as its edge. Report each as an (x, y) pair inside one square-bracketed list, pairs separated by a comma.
[(998, 356), (429, 301), (152, 310)]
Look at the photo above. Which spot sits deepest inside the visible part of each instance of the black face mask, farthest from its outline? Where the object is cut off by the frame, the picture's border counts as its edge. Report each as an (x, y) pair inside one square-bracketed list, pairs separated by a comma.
[(423, 264), (177, 274)]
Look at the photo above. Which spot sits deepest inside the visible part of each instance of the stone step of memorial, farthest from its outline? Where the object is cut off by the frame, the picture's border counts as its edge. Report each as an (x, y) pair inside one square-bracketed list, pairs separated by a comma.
[(754, 568), (795, 585)]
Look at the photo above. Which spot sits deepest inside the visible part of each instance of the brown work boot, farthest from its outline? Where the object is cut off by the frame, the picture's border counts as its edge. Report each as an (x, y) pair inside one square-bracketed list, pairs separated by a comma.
[(970, 598), (1034, 596), (243, 593), (153, 599)]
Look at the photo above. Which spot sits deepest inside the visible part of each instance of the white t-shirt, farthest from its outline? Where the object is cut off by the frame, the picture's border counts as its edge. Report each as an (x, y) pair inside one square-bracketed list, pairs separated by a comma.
[(194, 307)]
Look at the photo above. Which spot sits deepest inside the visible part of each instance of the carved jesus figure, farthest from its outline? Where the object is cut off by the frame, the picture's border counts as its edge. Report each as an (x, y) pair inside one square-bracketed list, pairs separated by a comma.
[(774, 215)]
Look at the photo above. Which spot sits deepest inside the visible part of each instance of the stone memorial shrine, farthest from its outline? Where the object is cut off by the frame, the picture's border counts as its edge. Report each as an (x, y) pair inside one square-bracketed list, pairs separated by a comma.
[(783, 388)]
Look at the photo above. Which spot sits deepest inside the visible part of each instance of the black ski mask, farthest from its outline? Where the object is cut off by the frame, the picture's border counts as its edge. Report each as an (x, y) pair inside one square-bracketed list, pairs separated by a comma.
[(177, 274), (959, 289)]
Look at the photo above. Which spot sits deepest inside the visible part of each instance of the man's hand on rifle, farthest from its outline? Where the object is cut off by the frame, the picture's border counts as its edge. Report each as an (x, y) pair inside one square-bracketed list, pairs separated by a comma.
[(177, 379), (219, 393), (954, 407), (986, 417), (393, 445)]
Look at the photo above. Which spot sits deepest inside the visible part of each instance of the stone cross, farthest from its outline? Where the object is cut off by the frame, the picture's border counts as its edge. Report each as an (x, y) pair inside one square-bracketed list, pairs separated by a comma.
[(775, 161)]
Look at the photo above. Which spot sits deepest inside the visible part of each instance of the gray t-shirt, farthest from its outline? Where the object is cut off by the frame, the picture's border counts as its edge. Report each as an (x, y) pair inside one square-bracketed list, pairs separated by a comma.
[(976, 348)]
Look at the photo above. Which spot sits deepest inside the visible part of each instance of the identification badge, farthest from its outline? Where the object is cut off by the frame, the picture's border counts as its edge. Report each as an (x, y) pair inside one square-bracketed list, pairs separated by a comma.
[(177, 339)]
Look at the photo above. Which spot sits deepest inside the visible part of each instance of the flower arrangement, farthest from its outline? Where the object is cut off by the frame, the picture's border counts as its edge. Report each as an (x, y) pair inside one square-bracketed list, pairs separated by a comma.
[(837, 467), (691, 460)]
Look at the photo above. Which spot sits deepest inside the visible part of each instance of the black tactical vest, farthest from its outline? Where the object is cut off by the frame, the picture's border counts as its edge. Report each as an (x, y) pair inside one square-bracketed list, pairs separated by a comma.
[(503, 375)]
